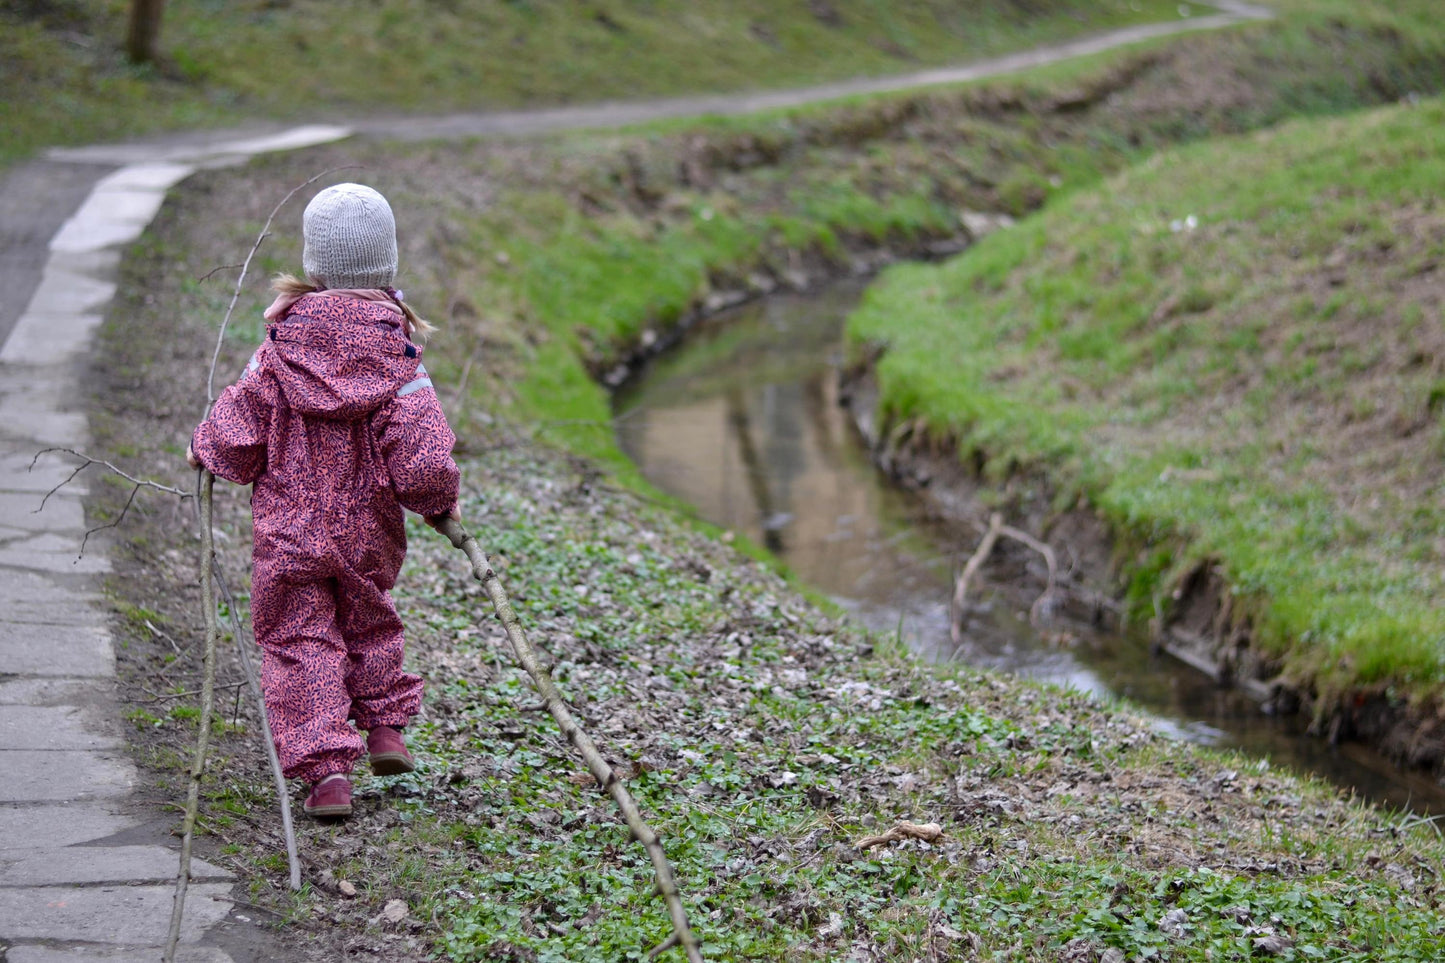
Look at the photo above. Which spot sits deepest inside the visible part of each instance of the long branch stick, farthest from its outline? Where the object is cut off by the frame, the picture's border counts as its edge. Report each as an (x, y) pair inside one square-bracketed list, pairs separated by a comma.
[(666, 885), (254, 680), (204, 483), (208, 563)]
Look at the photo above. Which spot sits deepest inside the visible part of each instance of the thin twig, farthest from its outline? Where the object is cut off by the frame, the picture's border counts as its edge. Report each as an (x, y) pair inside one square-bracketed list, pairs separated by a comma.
[(86, 462), (181, 695), (579, 740), (214, 271), (246, 266)]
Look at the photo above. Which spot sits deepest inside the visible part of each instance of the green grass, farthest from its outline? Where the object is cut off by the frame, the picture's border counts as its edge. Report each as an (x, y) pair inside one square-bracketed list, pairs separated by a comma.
[(65, 81), (757, 803), (1242, 384)]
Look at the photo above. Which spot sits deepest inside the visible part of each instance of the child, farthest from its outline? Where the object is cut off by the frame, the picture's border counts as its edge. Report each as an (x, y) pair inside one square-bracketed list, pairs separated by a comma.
[(336, 423)]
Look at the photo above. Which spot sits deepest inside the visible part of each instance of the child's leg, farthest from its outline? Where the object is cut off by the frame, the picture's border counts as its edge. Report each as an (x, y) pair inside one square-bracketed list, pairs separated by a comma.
[(381, 693), (303, 676)]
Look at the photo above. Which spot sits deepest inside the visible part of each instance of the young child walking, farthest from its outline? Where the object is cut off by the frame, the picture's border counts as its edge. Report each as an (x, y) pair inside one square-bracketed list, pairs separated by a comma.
[(336, 424)]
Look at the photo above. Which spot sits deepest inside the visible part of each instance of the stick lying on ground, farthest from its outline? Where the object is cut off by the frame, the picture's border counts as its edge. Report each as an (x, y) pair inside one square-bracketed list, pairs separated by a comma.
[(601, 771)]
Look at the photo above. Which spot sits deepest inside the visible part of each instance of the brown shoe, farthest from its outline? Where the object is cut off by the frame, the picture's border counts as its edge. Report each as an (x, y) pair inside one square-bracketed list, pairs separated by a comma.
[(388, 752), (330, 798)]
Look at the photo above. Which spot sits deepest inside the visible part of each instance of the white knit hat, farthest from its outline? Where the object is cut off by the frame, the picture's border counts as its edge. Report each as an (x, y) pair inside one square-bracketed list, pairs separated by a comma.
[(350, 238)]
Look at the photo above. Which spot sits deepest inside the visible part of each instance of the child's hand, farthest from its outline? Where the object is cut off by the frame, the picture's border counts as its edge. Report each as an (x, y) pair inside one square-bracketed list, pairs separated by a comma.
[(455, 515), (191, 458)]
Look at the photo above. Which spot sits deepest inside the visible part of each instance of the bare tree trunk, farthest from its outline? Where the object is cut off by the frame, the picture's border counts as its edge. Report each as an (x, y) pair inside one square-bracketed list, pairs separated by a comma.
[(143, 36)]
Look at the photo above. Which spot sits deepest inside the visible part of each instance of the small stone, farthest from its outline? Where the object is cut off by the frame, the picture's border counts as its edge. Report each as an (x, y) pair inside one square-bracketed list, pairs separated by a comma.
[(395, 911), (347, 888)]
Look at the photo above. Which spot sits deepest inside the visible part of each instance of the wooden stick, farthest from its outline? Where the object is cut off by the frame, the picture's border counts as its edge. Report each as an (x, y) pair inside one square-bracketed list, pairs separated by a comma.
[(666, 885), (204, 483), (283, 798)]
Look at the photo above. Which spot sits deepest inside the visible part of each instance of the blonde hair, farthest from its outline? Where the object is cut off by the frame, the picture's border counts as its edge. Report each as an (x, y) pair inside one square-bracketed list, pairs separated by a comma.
[(414, 326)]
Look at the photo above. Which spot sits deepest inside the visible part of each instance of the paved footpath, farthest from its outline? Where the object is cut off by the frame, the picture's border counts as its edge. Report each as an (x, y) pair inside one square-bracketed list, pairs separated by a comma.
[(87, 872)]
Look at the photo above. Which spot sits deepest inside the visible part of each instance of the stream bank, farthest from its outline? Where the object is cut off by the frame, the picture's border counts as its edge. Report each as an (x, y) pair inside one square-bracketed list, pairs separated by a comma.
[(749, 422)]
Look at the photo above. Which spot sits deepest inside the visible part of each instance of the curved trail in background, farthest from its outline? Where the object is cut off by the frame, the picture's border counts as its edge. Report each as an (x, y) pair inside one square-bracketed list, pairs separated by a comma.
[(86, 866)]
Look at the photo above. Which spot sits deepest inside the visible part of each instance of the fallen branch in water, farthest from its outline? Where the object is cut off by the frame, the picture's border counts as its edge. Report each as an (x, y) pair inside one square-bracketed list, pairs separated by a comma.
[(970, 569), (996, 530), (607, 779)]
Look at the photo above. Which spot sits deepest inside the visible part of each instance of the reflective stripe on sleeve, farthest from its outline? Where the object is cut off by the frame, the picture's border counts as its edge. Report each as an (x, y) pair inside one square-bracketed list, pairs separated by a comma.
[(411, 386)]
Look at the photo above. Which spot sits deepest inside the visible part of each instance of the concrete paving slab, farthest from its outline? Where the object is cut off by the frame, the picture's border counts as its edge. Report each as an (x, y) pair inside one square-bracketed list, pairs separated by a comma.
[(52, 728), (63, 776), (64, 291), (28, 597), (138, 915), (292, 139), (108, 217), (114, 954), (22, 471), (68, 651), (42, 425), (50, 339), (158, 176), (53, 826), (63, 512), (86, 694), (53, 553), (77, 865)]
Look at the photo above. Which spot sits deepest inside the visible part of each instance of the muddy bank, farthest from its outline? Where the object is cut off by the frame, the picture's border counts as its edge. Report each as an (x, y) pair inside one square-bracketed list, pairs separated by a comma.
[(1194, 619)]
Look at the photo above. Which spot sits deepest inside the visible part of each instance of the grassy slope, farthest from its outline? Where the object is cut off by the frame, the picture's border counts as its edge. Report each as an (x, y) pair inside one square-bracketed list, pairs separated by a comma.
[(64, 80), (1266, 384)]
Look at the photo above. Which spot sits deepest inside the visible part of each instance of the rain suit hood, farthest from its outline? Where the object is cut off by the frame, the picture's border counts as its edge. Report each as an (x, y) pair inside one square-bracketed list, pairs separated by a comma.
[(342, 363)]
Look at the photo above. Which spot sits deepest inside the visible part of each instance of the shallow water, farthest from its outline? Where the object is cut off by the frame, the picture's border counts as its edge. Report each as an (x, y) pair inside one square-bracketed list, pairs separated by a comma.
[(743, 422)]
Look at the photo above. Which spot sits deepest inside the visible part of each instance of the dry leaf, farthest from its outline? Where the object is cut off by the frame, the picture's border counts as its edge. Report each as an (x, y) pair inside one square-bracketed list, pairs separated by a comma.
[(395, 911)]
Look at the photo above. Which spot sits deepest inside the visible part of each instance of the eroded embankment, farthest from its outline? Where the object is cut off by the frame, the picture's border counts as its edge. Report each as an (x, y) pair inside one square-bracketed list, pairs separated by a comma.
[(1111, 580)]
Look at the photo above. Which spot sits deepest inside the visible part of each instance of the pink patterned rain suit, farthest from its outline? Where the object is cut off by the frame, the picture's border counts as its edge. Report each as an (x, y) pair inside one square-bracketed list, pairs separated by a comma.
[(338, 426)]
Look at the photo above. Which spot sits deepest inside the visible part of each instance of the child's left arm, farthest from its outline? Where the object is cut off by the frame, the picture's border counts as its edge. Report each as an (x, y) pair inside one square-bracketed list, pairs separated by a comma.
[(417, 443)]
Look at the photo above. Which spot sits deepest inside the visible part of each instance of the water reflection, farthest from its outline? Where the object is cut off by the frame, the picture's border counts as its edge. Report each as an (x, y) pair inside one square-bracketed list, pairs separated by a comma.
[(743, 422)]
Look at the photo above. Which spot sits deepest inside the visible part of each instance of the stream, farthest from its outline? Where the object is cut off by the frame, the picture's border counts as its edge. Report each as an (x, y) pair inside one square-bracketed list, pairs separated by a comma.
[(742, 420)]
